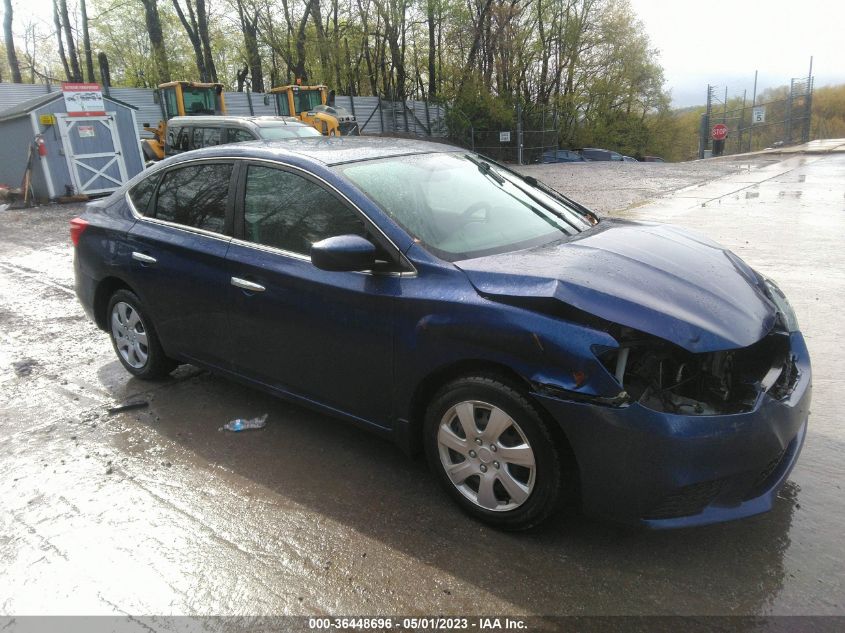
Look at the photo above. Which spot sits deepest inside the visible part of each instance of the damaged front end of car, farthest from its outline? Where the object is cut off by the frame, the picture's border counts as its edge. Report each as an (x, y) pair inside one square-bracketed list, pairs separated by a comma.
[(689, 438), (667, 378)]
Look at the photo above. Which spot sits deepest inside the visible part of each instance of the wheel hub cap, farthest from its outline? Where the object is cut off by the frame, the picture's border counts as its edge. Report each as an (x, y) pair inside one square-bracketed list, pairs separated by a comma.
[(486, 455), (129, 334)]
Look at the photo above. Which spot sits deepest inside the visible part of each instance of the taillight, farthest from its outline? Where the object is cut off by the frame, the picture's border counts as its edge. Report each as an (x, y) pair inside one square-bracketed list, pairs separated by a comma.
[(77, 227)]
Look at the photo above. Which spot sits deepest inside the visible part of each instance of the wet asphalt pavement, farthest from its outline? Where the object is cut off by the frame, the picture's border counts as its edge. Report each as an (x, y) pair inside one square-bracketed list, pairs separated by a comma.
[(156, 511)]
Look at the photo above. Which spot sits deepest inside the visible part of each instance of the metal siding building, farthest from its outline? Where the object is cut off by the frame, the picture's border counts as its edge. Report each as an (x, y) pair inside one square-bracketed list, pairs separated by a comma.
[(87, 154)]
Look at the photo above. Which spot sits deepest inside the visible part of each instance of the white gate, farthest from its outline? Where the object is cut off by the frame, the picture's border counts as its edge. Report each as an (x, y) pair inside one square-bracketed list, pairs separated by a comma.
[(93, 152)]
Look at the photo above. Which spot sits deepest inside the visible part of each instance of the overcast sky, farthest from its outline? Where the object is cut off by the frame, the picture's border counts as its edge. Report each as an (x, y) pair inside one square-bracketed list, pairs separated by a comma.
[(722, 42)]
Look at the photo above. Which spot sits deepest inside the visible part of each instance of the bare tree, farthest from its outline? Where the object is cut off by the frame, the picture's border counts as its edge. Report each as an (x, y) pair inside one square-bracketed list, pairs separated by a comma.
[(58, 24), (432, 51), (86, 42), (249, 14), (196, 26), (192, 29), (156, 40), (202, 24), (11, 56), (76, 72)]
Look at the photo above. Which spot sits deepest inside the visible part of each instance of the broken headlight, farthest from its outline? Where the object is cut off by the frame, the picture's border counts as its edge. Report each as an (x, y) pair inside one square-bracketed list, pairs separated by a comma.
[(665, 377), (790, 321)]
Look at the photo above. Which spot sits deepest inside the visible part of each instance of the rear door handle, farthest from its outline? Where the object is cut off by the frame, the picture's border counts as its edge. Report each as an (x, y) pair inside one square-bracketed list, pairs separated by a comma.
[(247, 285), (144, 259)]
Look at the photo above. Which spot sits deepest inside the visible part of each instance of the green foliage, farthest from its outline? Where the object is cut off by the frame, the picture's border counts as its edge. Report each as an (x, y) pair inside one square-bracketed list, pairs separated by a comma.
[(829, 112), (585, 63)]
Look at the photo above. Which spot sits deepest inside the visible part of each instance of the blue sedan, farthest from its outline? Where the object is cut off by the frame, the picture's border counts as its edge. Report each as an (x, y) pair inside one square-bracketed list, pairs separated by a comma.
[(535, 353)]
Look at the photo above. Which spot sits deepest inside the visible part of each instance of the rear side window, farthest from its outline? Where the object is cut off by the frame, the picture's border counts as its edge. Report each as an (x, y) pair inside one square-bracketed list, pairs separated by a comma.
[(142, 193), (195, 196), (287, 211)]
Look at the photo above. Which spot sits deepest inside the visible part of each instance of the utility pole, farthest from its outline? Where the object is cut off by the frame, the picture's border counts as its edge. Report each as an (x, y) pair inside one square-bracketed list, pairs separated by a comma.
[(808, 122), (753, 103), (704, 132)]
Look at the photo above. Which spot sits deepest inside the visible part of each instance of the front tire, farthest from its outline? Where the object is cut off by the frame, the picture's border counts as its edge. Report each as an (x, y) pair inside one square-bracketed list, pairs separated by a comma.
[(493, 453), (134, 338)]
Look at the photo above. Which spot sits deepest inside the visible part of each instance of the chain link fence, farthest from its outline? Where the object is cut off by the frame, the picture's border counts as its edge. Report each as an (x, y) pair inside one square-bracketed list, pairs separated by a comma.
[(533, 132), (757, 126)]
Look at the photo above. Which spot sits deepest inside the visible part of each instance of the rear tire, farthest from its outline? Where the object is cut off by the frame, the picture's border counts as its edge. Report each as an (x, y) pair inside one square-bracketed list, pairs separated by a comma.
[(494, 454), (134, 338)]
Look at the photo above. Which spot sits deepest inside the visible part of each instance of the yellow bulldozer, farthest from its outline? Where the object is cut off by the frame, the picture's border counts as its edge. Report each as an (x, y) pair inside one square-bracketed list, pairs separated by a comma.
[(181, 98), (315, 106)]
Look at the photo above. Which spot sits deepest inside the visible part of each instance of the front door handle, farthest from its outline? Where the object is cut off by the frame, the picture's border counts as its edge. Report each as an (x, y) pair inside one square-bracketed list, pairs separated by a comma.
[(247, 285), (143, 258)]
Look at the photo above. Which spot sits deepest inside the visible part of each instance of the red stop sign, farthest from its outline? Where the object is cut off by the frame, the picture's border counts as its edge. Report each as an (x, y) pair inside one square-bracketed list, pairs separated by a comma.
[(719, 132)]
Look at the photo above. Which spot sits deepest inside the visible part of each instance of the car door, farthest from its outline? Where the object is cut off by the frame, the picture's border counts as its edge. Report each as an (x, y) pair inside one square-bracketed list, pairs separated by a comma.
[(325, 336), (177, 258)]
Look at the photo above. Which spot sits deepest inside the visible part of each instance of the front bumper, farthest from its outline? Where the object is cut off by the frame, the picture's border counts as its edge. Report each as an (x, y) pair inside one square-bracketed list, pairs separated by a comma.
[(666, 470)]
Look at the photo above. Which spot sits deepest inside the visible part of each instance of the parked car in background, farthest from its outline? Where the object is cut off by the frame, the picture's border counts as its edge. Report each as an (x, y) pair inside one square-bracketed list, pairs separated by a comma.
[(653, 159), (535, 352), (186, 133), (594, 153), (629, 159), (561, 156)]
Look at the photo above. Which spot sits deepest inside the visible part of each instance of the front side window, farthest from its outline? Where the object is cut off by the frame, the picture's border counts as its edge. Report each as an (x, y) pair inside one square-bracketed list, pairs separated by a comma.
[(459, 206), (183, 139), (195, 196), (287, 211), (172, 135), (206, 137)]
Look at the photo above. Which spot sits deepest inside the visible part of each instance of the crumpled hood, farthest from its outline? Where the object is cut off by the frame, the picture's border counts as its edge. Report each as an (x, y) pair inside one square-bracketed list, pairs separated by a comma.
[(655, 278)]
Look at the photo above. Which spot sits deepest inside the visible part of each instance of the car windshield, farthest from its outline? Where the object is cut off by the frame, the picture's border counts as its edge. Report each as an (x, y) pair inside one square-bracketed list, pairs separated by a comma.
[(460, 206), (281, 132)]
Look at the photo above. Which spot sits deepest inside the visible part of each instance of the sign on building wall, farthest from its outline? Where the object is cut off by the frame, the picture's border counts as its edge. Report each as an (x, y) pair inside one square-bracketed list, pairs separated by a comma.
[(83, 99)]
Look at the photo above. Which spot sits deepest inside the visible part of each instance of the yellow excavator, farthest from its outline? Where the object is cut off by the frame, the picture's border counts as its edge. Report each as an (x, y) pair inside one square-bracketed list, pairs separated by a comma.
[(315, 106), (181, 98)]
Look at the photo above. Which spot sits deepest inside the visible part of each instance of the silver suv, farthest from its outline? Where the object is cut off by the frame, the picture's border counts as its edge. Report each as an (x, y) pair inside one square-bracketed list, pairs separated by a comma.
[(195, 132)]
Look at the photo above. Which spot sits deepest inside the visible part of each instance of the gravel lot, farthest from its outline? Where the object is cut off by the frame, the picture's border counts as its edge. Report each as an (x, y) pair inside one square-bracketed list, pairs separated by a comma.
[(157, 512)]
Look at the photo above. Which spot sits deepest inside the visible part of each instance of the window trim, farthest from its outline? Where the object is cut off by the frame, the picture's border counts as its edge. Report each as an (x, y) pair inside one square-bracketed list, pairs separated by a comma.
[(238, 236), (228, 220)]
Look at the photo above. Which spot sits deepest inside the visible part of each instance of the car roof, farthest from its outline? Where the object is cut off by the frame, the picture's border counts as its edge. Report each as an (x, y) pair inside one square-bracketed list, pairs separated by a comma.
[(261, 121), (325, 150)]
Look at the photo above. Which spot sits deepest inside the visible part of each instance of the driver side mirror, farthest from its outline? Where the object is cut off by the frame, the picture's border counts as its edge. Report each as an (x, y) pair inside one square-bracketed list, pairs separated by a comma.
[(344, 253)]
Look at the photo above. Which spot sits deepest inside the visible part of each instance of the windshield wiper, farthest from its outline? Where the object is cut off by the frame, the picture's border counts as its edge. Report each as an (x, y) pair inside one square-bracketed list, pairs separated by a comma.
[(485, 168)]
